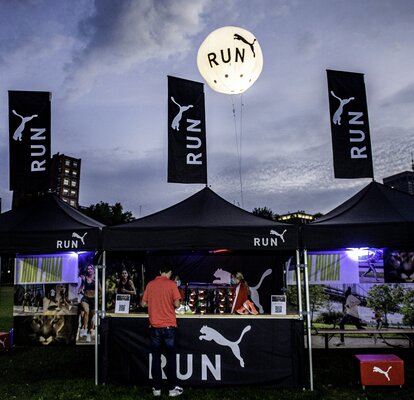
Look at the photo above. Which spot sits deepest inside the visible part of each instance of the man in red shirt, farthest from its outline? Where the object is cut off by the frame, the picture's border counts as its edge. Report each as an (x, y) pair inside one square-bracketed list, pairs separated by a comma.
[(162, 298)]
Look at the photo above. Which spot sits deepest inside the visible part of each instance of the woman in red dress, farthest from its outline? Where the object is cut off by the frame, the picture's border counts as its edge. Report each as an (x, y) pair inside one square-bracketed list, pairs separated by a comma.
[(241, 301)]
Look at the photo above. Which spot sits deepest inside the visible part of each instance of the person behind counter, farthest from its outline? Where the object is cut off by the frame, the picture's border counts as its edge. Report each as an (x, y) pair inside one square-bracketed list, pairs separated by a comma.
[(241, 303), (125, 284), (162, 296), (177, 280)]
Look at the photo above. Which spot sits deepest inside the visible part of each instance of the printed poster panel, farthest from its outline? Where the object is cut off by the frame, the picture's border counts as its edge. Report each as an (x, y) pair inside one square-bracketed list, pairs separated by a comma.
[(45, 330), (371, 265), (45, 299), (56, 268), (399, 266), (382, 274), (54, 299), (328, 267)]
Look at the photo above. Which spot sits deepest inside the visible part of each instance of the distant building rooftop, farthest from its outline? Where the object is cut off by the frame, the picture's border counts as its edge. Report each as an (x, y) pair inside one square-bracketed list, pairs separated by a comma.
[(403, 181), (296, 217)]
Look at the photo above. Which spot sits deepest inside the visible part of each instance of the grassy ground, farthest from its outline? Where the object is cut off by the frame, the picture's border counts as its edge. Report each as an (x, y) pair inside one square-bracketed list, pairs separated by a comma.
[(67, 373), (6, 308)]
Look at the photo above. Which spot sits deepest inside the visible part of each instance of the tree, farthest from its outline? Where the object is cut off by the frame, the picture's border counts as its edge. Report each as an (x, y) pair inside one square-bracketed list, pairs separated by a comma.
[(264, 212), (107, 214), (317, 215), (407, 309), (386, 298), (317, 297)]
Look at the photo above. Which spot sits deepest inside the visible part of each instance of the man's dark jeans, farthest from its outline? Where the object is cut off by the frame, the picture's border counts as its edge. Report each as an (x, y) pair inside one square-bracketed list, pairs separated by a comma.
[(166, 337)]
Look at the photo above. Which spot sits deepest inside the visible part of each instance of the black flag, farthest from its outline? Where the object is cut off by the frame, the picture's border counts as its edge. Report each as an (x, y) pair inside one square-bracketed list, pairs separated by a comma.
[(29, 141), (187, 157), (351, 141)]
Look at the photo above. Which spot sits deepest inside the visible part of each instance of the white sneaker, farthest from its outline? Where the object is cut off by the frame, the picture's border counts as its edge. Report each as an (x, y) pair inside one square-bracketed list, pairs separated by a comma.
[(180, 310), (82, 332), (177, 391), (156, 393), (340, 344), (88, 338)]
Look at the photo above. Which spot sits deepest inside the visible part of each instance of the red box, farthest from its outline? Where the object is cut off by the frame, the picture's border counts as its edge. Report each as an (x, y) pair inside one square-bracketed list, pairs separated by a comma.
[(4, 341), (380, 369)]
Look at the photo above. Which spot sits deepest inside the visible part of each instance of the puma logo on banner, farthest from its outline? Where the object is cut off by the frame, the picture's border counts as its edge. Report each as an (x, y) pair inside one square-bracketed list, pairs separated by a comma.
[(254, 291), (336, 119), (380, 371), (222, 276), (211, 334), (270, 241), (281, 235), (177, 119), (81, 238), (71, 244), (18, 133)]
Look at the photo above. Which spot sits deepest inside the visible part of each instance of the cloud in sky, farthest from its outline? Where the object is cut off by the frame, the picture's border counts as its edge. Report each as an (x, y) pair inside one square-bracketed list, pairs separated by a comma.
[(106, 63), (119, 36)]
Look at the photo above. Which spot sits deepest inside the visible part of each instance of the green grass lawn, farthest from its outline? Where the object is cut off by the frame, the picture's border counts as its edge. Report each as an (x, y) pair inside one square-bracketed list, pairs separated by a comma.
[(43, 373), (6, 308)]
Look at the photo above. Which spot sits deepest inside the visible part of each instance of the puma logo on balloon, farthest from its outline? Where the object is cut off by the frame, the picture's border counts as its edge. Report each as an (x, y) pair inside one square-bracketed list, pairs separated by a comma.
[(211, 334), (242, 39)]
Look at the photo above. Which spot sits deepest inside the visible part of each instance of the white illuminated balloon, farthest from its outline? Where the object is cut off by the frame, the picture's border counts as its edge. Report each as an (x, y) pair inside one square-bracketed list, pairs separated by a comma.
[(230, 59)]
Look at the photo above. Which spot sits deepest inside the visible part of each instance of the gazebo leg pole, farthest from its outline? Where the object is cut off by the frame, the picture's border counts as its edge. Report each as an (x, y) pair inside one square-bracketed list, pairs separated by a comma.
[(298, 282), (96, 321), (103, 305), (308, 317), (99, 312)]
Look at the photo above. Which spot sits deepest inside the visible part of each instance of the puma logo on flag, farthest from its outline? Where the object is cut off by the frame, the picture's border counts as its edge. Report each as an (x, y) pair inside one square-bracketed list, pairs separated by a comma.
[(380, 371), (342, 102), (211, 334), (18, 133), (281, 235), (176, 121), (242, 39), (81, 238)]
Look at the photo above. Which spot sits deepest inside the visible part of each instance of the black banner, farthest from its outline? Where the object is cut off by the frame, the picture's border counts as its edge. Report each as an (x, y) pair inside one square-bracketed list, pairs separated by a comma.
[(351, 141), (29, 140), (187, 150), (211, 352)]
